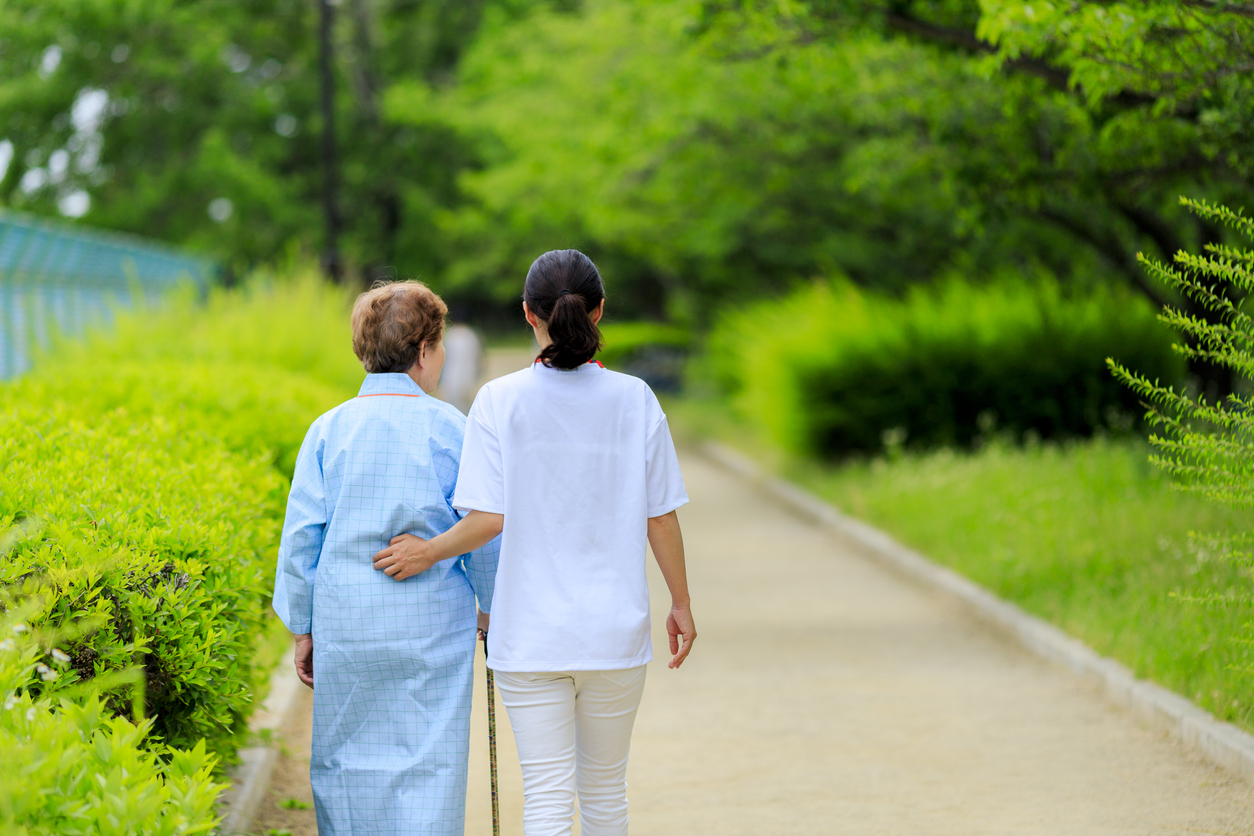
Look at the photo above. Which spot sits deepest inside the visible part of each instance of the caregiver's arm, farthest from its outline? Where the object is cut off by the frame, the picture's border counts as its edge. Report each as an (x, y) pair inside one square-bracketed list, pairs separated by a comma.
[(667, 542), (407, 555)]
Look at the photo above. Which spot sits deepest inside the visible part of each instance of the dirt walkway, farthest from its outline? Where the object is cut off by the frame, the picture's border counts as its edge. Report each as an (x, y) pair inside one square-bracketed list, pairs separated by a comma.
[(828, 696)]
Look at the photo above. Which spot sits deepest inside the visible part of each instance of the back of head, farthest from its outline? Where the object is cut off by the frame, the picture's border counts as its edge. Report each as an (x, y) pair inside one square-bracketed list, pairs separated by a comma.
[(563, 289), (391, 321)]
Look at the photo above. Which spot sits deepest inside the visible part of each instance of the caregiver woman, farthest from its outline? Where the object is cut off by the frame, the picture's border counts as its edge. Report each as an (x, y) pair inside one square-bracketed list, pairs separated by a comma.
[(574, 464)]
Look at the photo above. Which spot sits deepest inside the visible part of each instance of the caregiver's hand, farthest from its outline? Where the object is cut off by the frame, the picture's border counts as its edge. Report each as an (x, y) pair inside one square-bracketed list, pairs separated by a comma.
[(405, 556), (408, 555), (667, 542), (679, 625), (304, 658)]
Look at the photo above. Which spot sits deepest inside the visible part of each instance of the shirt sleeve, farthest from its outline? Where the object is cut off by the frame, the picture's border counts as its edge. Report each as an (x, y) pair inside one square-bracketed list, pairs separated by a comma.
[(304, 528), (481, 479), (664, 483), (480, 566)]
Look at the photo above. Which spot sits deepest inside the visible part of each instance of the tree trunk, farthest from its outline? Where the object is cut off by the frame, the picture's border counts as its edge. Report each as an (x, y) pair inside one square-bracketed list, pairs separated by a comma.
[(331, 262)]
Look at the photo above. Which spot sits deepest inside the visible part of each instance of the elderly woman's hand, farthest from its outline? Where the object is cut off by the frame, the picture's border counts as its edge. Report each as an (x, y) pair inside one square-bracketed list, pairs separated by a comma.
[(405, 556), (304, 658)]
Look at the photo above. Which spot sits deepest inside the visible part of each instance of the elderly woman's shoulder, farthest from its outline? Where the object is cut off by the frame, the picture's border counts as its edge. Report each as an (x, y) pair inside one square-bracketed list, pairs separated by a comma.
[(446, 411)]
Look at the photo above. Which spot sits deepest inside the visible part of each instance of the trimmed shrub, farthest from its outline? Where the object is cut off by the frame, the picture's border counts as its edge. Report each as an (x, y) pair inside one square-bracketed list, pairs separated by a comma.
[(298, 325), (832, 371), (623, 339), (82, 770), (255, 409), (651, 351), (159, 534), (142, 487)]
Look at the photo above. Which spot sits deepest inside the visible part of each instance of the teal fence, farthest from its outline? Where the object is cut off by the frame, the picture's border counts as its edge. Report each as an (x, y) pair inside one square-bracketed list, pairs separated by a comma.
[(62, 277)]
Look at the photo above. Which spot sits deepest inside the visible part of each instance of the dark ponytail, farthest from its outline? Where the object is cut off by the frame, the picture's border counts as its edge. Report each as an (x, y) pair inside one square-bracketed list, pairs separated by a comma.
[(563, 288)]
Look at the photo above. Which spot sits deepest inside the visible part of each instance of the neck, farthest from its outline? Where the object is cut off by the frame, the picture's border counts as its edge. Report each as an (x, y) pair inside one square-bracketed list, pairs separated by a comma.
[(417, 376), (542, 337)]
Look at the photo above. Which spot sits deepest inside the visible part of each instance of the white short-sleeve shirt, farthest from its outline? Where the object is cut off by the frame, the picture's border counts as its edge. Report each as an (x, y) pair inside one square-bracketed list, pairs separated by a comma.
[(577, 461)]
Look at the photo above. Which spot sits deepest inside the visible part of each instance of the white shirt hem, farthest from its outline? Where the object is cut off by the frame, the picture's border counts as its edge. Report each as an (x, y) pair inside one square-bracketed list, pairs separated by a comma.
[(584, 665)]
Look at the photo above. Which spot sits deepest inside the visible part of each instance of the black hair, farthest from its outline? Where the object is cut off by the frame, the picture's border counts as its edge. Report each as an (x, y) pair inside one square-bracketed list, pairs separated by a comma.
[(563, 287)]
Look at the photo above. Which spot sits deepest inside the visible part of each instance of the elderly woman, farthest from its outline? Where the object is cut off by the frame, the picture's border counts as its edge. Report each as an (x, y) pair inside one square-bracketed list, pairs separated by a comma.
[(391, 664)]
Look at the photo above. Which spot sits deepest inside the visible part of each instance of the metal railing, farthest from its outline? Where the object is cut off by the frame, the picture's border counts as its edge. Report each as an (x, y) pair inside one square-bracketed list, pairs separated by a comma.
[(62, 277)]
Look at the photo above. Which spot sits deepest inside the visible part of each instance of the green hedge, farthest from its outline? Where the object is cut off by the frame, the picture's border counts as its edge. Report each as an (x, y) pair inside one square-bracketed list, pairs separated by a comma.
[(652, 351), (143, 478), (624, 339), (830, 370), (298, 324), (255, 409), (74, 768), (157, 531)]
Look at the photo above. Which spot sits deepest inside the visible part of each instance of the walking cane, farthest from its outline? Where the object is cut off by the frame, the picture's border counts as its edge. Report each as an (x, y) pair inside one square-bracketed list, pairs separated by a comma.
[(496, 810)]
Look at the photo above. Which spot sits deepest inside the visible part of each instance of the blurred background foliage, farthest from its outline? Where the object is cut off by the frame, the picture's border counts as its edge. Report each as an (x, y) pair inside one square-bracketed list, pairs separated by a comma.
[(857, 230), (834, 371), (701, 152)]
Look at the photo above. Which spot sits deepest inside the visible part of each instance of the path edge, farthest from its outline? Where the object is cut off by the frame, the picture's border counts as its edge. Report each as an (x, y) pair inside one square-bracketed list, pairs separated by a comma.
[(1223, 743), (250, 778)]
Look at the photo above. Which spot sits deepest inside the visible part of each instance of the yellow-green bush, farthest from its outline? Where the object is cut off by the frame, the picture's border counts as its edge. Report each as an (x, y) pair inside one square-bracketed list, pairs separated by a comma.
[(832, 370), (159, 533), (74, 768), (299, 325), (143, 477), (624, 339), (252, 408)]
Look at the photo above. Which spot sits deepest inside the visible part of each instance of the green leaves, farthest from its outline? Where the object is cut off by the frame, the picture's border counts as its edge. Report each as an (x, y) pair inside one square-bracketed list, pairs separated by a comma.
[(1208, 444), (75, 769), (103, 554), (142, 488), (833, 371), (695, 177)]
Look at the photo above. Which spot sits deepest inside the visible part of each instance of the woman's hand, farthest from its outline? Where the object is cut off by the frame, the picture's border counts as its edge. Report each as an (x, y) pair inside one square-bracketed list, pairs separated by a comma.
[(405, 556), (484, 618), (304, 658), (679, 624)]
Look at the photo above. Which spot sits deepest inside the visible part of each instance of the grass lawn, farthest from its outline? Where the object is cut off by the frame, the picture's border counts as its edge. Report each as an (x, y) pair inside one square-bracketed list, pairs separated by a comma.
[(1086, 535)]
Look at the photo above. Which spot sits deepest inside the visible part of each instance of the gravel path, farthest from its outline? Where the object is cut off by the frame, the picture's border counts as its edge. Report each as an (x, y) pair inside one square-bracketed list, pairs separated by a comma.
[(829, 696)]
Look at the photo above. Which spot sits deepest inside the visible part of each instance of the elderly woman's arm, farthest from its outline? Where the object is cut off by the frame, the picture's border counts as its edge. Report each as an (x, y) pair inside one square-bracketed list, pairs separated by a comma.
[(304, 528), (480, 566), (407, 555)]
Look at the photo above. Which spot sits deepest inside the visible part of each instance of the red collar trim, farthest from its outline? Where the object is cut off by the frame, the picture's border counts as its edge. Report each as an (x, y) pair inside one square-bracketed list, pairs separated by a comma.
[(590, 363)]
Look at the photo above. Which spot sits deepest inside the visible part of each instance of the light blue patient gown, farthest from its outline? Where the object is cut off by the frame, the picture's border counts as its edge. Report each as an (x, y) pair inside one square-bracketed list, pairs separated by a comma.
[(393, 661)]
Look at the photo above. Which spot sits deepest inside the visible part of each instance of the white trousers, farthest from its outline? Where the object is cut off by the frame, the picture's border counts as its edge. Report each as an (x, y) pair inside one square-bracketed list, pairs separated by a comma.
[(573, 731)]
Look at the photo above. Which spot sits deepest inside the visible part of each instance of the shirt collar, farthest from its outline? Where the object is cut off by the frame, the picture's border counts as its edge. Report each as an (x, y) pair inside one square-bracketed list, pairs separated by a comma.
[(589, 367), (389, 384)]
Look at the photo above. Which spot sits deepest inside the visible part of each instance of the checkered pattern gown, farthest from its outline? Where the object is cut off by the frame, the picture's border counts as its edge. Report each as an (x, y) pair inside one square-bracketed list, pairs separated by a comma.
[(393, 661)]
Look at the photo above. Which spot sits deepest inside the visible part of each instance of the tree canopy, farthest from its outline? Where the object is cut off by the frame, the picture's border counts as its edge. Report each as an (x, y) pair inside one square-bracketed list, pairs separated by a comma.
[(701, 152)]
